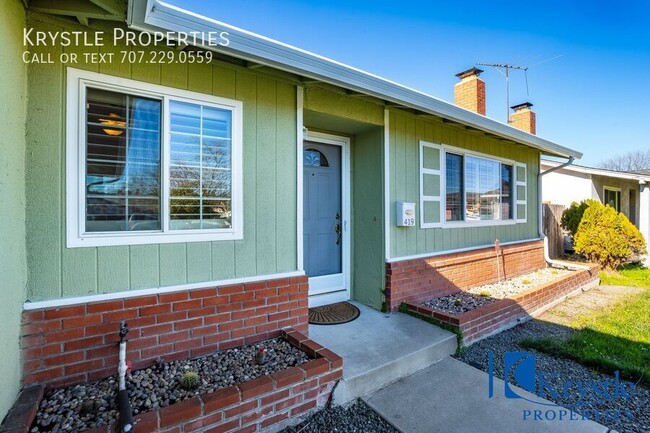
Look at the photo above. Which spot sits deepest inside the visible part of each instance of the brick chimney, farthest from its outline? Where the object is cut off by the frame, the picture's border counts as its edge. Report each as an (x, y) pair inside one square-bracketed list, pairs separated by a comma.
[(524, 118), (469, 93)]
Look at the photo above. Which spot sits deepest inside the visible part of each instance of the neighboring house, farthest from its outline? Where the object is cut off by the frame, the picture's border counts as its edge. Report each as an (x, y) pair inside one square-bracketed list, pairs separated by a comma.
[(628, 193), (133, 190)]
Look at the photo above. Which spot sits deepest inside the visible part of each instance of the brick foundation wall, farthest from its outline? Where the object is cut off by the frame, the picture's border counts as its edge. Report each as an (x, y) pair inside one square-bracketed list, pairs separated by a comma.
[(418, 280), (79, 343), (505, 313), (251, 406)]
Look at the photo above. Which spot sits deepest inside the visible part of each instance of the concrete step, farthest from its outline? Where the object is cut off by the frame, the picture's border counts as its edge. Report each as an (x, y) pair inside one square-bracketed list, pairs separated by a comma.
[(379, 349)]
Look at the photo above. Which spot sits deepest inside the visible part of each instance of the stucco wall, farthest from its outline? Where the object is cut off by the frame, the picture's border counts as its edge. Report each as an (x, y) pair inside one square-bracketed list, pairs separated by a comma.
[(561, 187), (269, 176), (12, 191), (600, 182)]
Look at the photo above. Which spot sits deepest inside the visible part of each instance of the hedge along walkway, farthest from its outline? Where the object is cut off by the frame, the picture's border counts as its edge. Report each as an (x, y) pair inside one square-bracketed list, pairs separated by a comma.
[(607, 328)]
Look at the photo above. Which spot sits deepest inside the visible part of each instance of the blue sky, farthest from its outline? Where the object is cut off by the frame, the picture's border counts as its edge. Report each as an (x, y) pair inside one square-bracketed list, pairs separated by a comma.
[(594, 97)]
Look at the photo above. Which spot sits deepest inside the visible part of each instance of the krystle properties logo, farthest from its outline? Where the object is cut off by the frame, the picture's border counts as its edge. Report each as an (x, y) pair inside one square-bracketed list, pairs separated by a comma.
[(578, 397)]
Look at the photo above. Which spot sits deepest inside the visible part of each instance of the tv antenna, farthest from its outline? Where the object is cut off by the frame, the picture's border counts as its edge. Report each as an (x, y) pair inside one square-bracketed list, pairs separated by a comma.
[(504, 69)]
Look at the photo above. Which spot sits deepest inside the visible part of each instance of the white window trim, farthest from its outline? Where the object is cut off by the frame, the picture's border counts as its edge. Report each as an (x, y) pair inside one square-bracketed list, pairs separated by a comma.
[(431, 198), (517, 201), (443, 203), (619, 197), (77, 81)]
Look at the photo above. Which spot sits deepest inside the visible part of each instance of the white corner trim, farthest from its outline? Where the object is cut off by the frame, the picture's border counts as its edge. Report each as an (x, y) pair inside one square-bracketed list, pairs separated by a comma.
[(63, 302), (300, 137), (457, 250), (387, 232)]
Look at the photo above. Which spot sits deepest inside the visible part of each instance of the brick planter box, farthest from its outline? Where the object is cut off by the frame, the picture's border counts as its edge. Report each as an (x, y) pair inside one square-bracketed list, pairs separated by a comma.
[(78, 343), (248, 407), (420, 279), (505, 313)]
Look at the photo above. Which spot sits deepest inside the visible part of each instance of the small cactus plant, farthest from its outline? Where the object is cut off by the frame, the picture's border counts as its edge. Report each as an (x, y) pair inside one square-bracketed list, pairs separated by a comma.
[(458, 302), (485, 293), (89, 407), (190, 380)]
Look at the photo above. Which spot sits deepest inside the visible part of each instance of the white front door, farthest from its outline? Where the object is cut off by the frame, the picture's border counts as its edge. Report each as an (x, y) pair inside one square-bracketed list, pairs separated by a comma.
[(325, 218)]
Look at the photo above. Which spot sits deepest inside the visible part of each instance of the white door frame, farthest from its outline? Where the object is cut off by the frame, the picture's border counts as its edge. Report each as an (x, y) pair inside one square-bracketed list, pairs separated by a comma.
[(324, 284)]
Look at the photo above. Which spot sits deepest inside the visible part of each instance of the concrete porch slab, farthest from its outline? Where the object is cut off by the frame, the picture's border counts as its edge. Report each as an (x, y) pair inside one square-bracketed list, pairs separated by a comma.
[(380, 348), (452, 397)]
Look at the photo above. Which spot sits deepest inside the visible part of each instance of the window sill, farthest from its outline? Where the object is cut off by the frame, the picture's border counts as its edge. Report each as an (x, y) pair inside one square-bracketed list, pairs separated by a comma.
[(489, 223), (123, 239)]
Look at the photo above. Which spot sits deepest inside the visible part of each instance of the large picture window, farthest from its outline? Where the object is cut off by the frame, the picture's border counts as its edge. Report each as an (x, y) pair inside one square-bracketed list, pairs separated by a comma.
[(149, 164), (476, 189)]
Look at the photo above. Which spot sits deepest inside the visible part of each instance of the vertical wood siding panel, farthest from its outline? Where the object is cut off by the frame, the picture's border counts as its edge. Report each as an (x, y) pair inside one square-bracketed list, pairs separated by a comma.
[(174, 75), (285, 221), (223, 260), (245, 250), (200, 79), (144, 266), (412, 176), (43, 175), (79, 271), (401, 166), (266, 172), (149, 73), (199, 262), (112, 269), (224, 82), (173, 264)]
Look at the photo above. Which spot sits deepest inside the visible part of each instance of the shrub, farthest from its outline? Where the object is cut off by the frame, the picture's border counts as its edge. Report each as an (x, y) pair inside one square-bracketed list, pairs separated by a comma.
[(607, 237), (572, 215)]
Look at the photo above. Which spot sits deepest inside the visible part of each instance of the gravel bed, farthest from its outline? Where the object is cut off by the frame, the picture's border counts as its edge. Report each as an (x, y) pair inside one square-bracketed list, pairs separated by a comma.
[(522, 283), (459, 302), (84, 406), (636, 417), (356, 417)]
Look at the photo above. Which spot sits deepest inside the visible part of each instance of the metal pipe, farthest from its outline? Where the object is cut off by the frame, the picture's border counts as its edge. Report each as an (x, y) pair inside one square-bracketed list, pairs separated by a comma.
[(540, 222), (123, 403)]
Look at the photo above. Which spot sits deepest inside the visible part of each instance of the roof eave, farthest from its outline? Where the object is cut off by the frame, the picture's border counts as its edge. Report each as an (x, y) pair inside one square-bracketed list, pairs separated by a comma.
[(155, 15)]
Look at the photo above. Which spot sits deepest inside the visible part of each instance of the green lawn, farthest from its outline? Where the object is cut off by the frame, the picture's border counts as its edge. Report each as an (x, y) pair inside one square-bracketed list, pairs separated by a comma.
[(615, 338), (628, 275)]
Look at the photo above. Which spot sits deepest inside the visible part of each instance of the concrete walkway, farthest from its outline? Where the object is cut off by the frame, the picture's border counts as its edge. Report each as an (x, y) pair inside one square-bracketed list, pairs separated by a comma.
[(379, 348), (452, 397)]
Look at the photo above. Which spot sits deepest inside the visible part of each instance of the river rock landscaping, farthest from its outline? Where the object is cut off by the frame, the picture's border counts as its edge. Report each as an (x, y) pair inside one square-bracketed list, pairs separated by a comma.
[(522, 283), (475, 297), (355, 417), (80, 407), (459, 302)]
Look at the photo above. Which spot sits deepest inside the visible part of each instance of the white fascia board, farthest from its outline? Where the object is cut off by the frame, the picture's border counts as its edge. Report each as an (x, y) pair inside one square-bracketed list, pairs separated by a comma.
[(155, 15), (597, 171)]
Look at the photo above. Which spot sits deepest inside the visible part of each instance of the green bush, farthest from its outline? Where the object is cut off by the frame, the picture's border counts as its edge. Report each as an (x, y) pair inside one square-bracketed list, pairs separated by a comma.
[(606, 236), (572, 215)]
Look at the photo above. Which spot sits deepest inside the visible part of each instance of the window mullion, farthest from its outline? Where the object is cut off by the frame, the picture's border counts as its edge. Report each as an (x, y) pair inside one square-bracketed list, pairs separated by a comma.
[(165, 151), (201, 168)]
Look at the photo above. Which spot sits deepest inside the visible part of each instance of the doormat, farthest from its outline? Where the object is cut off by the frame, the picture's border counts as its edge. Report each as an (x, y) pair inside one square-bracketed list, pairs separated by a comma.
[(333, 314)]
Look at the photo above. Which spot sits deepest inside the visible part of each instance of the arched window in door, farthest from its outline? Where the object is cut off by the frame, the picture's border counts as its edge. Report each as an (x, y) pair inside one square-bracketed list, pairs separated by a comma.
[(314, 158)]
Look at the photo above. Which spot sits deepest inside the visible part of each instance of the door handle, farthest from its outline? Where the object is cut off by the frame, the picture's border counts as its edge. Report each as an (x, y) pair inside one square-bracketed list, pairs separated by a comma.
[(337, 229)]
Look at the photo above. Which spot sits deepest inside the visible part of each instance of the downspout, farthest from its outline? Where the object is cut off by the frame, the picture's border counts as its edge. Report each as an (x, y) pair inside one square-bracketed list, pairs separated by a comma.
[(540, 221)]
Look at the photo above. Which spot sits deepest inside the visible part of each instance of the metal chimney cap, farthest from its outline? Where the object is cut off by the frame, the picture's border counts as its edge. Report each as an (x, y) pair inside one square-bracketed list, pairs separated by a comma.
[(521, 106), (469, 72)]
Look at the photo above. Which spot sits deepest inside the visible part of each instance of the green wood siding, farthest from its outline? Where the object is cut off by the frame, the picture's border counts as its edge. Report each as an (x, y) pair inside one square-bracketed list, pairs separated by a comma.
[(406, 130), (12, 190), (269, 175), (368, 217)]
